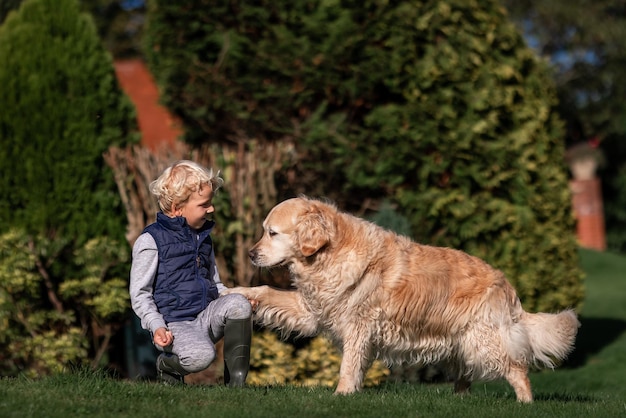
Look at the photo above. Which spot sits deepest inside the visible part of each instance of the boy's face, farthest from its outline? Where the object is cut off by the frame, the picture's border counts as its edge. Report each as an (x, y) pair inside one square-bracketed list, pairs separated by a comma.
[(197, 209)]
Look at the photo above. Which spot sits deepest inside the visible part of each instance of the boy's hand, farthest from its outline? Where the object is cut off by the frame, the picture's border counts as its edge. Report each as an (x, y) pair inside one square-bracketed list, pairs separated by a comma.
[(163, 337)]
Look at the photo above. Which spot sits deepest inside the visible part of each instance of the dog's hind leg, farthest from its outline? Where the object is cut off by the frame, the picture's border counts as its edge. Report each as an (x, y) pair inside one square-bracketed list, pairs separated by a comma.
[(462, 381), (517, 376), (462, 386)]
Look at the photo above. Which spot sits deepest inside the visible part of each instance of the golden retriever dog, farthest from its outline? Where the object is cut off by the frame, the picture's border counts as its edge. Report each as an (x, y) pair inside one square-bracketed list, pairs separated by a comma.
[(377, 294)]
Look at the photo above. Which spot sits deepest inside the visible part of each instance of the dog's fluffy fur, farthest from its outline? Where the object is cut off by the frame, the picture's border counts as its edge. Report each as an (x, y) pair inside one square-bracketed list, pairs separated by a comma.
[(380, 295)]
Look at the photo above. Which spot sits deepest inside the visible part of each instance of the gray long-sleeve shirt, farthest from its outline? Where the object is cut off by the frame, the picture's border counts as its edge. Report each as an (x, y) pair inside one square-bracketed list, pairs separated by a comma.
[(142, 275)]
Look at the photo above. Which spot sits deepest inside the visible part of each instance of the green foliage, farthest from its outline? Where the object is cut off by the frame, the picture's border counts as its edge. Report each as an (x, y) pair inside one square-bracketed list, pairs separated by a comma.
[(584, 42), (616, 211), (50, 351), (119, 23), (62, 289), (488, 173), (46, 325), (438, 107), (62, 108), (388, 218), (274, 362), (104, 297), (6, 6)]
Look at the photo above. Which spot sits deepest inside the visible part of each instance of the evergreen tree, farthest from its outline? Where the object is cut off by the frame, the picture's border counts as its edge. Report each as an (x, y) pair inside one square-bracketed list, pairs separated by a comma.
[(584, 42), (61, 109), (6, 6), (437, 106), (63, 271), (119, 24)]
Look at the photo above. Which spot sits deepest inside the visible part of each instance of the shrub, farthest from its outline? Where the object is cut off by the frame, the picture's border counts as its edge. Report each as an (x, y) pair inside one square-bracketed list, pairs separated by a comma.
[(315, 363), (62, 108), (60, 213), (438, 107), (44, 329)]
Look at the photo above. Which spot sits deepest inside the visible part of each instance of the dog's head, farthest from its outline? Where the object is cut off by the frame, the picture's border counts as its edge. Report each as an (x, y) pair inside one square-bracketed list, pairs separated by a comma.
[(294, 229)]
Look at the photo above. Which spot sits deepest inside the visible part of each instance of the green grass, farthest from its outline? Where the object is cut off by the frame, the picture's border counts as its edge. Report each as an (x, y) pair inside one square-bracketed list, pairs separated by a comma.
[(592, 384)]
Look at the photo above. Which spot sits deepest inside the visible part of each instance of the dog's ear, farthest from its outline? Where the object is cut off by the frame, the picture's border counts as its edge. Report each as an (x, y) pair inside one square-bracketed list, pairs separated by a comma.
[(314, 230)]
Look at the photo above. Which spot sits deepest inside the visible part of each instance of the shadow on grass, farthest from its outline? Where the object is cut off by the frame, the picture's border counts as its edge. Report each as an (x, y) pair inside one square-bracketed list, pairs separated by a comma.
[(593, 335)]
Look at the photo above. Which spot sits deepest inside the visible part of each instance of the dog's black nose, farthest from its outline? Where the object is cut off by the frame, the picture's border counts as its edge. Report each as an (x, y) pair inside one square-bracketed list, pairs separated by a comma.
[(252, 254)]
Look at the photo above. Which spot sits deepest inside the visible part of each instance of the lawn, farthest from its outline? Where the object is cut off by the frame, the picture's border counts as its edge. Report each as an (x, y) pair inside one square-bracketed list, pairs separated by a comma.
[(591, 384)]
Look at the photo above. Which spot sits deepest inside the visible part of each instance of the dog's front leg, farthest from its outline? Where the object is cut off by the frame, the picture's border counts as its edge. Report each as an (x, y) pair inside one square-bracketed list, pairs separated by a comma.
[(284, 310), (354, 363)]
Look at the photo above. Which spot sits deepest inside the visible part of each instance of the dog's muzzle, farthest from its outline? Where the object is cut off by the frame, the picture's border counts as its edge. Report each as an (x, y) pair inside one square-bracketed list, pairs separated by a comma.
[(254, 255)]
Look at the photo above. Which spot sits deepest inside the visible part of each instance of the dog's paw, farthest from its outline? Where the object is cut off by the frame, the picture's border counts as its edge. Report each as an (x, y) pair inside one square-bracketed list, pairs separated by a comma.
[(345, 390), (228, 291), (249, 292), (233, 290)]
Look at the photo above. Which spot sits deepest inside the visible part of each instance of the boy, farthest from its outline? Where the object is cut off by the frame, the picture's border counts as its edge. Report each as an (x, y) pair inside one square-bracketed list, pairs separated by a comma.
[(175, 285)]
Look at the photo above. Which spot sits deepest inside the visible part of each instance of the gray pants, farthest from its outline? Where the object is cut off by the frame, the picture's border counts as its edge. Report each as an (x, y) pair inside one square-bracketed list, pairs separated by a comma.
[(194, 341)]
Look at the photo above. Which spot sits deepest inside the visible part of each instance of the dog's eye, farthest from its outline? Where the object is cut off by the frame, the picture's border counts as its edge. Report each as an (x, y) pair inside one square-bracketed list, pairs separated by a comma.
[(271, 232)]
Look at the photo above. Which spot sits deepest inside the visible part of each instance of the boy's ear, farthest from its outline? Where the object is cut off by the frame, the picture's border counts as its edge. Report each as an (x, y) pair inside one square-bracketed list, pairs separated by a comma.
[(175, 210)]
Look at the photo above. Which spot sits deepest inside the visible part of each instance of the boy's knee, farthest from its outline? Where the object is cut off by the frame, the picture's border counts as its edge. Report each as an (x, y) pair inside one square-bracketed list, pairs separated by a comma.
[(199, 362), (239, 308)]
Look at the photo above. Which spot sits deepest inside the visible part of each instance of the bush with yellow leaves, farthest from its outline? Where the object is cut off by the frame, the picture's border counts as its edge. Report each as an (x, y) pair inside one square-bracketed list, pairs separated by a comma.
[(275, 362), (271, 360)]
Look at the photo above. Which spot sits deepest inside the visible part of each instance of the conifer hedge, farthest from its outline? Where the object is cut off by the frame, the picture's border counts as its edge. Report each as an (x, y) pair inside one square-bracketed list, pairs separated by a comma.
[(436, 106), (63, 255), (61, 109)]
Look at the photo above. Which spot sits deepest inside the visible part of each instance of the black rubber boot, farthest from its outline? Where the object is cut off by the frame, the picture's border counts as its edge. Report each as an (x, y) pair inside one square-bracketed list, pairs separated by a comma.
[(237, 337), (169, 369)]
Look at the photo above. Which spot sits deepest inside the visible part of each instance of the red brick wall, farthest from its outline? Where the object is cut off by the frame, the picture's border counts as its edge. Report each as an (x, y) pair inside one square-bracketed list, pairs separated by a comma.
[(157, 125), (589, 212)]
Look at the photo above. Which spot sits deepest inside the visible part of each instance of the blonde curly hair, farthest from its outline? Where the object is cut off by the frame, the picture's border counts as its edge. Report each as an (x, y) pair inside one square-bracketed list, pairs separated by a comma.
[(179, 181)]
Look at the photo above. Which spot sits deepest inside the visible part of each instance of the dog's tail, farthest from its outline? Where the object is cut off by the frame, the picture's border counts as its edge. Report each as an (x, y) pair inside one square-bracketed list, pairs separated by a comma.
[(551, 336)]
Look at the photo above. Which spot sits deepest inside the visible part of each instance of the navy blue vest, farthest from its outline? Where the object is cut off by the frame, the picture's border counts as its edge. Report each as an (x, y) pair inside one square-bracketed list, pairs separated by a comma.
[(183, 287)]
